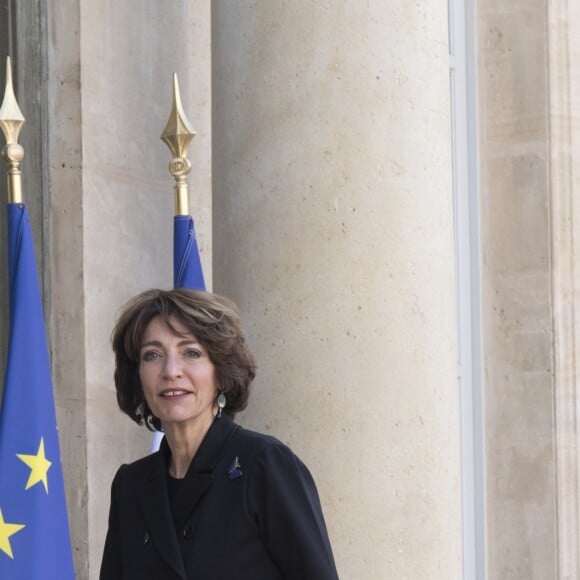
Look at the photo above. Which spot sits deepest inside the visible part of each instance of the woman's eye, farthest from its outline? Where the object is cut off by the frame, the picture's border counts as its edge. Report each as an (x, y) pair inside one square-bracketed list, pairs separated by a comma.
[(150, 356), (193, 353)]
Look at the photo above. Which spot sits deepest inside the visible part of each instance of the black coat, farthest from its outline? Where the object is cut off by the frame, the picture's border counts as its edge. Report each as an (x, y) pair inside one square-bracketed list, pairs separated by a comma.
[(247, 509)]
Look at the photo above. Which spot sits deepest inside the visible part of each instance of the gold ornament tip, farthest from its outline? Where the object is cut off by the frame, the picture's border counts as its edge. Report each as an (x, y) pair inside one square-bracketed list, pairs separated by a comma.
[(11, 117), (187, 126), (178, 131)]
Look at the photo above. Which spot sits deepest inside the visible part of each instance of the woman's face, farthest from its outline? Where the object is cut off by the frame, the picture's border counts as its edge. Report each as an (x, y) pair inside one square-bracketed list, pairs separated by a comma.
[(177, 376)]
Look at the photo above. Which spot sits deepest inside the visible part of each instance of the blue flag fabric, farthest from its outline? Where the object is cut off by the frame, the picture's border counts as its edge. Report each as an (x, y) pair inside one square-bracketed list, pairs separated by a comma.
[(187, 272), (34, 533)]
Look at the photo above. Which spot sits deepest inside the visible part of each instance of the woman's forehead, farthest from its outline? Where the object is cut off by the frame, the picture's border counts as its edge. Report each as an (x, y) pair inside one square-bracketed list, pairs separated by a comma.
[(174, 325)]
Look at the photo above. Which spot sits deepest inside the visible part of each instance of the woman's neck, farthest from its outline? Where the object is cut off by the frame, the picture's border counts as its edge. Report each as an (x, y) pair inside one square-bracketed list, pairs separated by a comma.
[(184, 441)]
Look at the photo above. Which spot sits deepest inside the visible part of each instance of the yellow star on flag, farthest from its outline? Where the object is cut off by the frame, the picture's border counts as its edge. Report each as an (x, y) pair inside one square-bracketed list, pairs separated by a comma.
[(39, 466), (7, 530)]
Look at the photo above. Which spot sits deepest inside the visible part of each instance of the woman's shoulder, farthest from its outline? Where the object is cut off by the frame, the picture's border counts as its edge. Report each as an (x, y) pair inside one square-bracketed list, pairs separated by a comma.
[(262, 447), (140, 468), (259, 440), (269, 462)]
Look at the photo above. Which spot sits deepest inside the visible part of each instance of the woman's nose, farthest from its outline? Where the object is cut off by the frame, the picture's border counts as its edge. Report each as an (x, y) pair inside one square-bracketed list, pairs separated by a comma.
[(172, 367)]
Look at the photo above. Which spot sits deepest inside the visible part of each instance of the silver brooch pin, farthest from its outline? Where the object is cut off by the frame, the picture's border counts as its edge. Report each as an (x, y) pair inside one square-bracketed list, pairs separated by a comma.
[(235, 469)]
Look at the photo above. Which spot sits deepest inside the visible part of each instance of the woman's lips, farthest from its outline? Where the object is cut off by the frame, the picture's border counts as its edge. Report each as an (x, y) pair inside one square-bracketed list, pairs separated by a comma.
[(173, 393)]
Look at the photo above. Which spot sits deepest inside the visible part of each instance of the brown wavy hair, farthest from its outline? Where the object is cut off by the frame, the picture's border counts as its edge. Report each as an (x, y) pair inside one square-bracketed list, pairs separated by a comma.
[(215, 323)]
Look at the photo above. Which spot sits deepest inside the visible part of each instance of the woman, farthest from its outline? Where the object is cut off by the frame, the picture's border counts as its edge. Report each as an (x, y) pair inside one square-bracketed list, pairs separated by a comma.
[(216, 502)]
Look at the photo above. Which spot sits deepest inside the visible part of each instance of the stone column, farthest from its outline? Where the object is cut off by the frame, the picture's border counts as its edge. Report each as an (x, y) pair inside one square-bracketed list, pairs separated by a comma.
[(529, 87), (526, 261), (333, 226)]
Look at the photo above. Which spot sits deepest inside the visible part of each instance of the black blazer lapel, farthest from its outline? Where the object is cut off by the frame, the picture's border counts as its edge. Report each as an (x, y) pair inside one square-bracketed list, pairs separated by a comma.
[(154, 503)]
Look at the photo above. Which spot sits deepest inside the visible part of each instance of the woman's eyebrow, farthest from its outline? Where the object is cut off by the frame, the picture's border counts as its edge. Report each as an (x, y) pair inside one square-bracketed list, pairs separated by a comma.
[(151, 343), (184, 342), (188, 342)]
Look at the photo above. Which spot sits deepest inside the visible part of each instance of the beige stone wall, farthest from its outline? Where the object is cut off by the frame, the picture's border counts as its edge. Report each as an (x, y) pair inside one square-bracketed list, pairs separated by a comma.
[(64, 288), (518, 254), (333, 230)]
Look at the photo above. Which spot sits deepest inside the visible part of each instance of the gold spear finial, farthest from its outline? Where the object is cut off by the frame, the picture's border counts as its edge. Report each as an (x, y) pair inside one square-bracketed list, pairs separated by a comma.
[(178, 134), (11, 120)]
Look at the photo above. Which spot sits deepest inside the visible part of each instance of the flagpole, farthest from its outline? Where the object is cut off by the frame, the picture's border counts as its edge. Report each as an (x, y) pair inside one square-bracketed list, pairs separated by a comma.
[(178, 134), (11, 121)]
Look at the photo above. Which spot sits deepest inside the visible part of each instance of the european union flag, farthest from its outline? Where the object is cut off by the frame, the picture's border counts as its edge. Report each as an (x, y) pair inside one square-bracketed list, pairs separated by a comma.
[(187, 272), (34, 533)]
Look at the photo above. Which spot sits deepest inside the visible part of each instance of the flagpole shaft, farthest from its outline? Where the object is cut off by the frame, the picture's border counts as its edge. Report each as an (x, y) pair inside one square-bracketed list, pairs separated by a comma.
[(14, 185), (180, 167), (13, 154), (181, 198)]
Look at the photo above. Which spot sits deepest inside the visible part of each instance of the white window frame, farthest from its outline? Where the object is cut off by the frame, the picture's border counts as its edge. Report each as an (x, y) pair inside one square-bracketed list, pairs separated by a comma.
[(462, 69)]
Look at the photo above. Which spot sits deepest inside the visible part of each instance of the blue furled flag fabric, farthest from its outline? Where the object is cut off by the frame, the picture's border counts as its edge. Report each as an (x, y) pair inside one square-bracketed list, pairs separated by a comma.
[(34, 534), (187, 272)]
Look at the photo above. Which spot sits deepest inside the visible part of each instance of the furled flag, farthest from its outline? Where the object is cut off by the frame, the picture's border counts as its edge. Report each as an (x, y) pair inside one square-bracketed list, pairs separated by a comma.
[(34, 534), (187, 272)]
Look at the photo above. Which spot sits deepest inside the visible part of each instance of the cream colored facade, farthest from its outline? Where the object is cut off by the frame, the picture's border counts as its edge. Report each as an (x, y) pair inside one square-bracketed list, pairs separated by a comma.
[(322, 189)]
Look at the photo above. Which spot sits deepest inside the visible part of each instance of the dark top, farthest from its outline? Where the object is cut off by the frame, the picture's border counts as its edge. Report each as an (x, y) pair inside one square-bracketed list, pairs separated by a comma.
[(247, 509), (173, 484)]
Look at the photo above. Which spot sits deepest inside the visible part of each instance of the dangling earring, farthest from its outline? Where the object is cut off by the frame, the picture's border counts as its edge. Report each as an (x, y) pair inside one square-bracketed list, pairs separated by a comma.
[(221, 401)]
